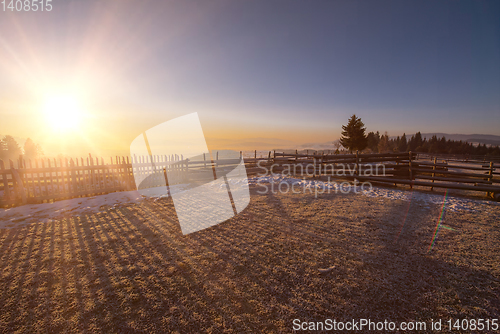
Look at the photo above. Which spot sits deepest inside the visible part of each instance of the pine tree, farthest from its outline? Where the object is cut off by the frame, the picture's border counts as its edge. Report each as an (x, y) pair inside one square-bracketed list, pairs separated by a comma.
[(3, 150), (31, 150), (402, 143), (13, 149), (353, 135), (418, 140), (372, 141), (383, 145)]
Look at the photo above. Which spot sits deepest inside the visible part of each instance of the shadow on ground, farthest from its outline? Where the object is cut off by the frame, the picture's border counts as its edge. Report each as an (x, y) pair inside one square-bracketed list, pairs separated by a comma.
[(131, 270)]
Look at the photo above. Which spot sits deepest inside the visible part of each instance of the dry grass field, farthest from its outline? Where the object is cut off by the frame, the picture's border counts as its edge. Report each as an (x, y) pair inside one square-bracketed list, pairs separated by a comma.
[(130, 270)]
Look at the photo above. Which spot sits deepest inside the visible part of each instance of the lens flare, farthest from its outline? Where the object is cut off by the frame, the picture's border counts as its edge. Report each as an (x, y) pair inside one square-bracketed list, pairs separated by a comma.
[(406, 216), (439, 223)]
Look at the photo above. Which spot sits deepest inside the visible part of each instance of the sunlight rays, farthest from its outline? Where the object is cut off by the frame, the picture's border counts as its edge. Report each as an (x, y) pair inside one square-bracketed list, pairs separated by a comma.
[(62, 112)]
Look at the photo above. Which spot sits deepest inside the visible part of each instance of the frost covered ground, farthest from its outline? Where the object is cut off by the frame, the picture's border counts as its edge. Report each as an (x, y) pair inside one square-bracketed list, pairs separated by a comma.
[(46, 212), (453, 202), (119, 263)]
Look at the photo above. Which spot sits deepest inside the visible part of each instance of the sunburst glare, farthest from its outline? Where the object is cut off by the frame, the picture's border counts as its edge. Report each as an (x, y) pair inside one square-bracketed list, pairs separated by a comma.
[(63, 112)]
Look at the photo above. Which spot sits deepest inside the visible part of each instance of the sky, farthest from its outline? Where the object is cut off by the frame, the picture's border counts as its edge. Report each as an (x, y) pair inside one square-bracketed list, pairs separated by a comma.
[(259, 73)]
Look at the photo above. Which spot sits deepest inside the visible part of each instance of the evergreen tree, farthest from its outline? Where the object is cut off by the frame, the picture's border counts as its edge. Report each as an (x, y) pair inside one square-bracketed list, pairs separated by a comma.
[(434, 145), (372, 141), (402, 143), (353, 135), (13, 149), (31, 150), (418, 139), (383, 145)]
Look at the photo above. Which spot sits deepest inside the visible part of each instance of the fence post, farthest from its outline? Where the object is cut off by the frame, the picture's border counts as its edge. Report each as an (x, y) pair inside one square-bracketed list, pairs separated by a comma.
[(5, 181), (295, 164), (130, 173), (409, 169), (73, 175), (15, 183), (434, 174), (112, 175), (356, 168), (19, 186), (52, 187), (321, 162), (23, 175), (123, 172), (490, 177), (14, 188), (92, 173)]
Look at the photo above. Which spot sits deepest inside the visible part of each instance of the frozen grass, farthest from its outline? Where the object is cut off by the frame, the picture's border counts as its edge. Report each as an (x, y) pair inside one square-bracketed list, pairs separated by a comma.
[(128, 268)]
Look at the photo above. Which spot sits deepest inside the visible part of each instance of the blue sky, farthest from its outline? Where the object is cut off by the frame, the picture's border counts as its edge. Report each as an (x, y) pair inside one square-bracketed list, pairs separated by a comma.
[(291, 70)]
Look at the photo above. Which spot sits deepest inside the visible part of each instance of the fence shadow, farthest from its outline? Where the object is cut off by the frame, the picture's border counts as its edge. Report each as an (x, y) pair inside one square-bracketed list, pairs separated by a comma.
[(130, 269)]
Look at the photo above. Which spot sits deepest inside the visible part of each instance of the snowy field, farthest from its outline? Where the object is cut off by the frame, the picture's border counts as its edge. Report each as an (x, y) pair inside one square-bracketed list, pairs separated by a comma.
[(26, 214)]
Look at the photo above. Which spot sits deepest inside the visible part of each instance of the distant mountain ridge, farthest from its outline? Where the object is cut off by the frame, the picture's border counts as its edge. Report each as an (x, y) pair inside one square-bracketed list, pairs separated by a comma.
[(472, 138)]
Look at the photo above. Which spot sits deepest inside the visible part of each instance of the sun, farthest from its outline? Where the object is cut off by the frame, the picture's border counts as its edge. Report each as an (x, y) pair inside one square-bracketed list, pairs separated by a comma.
[(62, 112)]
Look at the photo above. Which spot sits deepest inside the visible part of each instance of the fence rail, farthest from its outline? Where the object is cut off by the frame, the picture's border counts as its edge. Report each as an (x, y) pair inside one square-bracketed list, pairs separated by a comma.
[(480, 159)]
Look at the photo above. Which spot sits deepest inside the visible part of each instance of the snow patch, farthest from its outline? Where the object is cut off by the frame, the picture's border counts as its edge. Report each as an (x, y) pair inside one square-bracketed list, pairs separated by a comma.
[(48, 212)]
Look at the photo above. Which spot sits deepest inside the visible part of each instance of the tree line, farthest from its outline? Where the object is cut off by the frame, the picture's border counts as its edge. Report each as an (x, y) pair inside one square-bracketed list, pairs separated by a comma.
[(10, 149), (353, 138)]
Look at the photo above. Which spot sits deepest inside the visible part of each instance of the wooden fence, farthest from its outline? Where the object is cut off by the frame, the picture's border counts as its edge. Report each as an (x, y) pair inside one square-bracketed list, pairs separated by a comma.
[(42, 180), (23, 182), (401, 168)]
